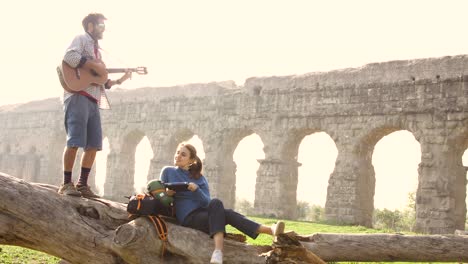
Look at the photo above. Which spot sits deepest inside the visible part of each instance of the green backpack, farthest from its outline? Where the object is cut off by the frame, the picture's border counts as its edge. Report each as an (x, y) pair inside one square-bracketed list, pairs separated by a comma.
[(158, 190)]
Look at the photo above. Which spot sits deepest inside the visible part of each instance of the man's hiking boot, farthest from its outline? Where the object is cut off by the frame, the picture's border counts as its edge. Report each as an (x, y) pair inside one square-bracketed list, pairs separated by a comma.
[(277, 228), (86, 192), (69, 189), (217, 257)]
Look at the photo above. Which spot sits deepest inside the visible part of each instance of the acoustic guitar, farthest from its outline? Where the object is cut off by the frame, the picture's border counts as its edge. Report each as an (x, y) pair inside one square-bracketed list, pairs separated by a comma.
[(77, 79)]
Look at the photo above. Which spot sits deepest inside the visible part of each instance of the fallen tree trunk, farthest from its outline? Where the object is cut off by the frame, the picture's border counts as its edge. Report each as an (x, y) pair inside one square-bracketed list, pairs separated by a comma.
[(81, 230), (388, 247)]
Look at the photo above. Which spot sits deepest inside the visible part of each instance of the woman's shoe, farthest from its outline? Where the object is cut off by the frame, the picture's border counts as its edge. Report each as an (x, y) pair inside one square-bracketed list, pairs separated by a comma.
[(277, 228), (217, 257)]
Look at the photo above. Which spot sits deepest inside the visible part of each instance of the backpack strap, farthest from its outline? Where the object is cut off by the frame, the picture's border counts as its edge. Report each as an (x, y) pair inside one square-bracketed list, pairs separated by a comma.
[(139, 198), (161, 228)]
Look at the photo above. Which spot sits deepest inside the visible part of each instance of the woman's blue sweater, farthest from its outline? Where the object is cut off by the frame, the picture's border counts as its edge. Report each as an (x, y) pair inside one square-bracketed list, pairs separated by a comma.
[(186, 201)]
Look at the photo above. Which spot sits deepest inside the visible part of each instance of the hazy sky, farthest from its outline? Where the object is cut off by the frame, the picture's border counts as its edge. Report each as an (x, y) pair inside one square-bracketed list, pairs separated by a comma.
[(214, 40)]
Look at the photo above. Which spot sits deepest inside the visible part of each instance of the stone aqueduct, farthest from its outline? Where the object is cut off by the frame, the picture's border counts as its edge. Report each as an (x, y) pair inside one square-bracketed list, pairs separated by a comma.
[(356, 107)]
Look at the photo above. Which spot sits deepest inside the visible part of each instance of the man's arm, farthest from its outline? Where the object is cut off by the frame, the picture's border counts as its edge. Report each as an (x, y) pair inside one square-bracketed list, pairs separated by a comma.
[(73, 55), (119, 81)]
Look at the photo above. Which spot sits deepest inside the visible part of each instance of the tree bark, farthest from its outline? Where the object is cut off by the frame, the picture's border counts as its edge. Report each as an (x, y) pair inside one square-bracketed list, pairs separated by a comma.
[(81, 230), (388, 247)]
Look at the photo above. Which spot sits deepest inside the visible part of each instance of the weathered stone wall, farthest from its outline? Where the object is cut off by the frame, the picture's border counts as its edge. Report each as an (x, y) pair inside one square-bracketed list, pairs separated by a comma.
[(356, 107)]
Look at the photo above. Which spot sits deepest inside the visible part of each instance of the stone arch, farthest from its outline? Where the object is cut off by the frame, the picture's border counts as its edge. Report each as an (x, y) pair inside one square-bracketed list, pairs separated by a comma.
[(232, 144), (365, 185), (319, 186), (396, 169), (291, 150), (196, 141), (220, 168), (121, 164), (178, 137), (242, 180), (460, 144), (164, 144), (143, 155), (232, 138), (130, 142), (281, 167)]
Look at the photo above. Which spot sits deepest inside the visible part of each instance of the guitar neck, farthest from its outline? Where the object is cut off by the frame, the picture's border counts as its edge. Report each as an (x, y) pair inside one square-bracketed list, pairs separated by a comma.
[(120, 70), (139, 70)]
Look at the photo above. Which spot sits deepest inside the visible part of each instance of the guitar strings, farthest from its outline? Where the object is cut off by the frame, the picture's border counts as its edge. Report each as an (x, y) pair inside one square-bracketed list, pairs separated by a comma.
[(112, 57)]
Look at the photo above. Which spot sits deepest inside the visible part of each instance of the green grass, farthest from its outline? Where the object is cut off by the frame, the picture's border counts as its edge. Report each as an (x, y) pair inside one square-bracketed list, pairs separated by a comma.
[(19, 255), (303, 228)]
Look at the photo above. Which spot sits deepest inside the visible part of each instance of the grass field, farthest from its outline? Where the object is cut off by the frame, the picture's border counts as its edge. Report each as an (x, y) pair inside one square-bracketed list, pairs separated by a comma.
[(17, 255), (303, 228)]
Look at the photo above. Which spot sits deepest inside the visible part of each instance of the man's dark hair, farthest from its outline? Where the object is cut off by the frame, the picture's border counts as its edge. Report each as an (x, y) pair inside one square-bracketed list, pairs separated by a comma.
[(92, 18)]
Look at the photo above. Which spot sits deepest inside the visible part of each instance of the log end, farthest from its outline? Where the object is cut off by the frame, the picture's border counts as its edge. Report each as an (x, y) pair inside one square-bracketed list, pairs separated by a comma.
[(125, 235)]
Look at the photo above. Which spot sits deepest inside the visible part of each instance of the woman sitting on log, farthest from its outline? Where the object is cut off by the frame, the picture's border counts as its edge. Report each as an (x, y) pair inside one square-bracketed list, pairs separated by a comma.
[(195, 209)]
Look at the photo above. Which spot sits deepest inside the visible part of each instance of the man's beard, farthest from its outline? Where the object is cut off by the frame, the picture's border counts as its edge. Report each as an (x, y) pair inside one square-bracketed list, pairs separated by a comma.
[(97, 35)]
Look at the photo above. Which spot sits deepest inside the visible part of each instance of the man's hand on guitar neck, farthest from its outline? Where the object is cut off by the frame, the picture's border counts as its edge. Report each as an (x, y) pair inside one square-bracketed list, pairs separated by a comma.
[(126, 76)]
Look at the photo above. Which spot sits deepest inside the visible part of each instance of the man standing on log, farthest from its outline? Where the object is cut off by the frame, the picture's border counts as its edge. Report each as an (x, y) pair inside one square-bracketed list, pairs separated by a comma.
[(82, 116)]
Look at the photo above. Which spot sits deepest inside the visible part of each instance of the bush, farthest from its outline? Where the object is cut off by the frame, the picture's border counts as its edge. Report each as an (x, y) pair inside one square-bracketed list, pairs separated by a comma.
[(302, 210), (244, 207), (397, 220), (317, 213), (307, 212)]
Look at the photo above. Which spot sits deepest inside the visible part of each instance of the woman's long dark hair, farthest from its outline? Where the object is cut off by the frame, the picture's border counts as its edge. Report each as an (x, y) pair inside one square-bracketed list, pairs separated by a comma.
[(196, 167)]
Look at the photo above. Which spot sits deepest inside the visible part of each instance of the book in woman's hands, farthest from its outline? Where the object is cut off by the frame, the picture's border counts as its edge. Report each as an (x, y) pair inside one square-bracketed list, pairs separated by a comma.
[(177, 186)]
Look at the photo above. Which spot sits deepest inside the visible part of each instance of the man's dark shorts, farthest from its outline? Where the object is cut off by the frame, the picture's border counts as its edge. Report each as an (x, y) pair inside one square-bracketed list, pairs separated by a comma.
[(82, 123)]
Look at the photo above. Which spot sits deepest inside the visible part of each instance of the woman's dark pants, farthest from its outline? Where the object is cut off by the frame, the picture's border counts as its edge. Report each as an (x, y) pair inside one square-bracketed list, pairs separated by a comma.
[(214, 218)]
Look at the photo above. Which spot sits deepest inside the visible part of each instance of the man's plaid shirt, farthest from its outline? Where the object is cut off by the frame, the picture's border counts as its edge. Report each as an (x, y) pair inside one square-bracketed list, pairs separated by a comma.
[(84, 46)]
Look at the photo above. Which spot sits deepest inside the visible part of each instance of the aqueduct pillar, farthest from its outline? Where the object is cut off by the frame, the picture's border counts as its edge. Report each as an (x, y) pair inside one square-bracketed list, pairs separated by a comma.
[(351, 186), (277, 177), (220, 169), (441, 191)]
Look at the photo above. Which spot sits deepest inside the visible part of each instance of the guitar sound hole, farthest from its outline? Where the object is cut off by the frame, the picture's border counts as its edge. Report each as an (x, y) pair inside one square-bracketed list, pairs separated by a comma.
[(94, 73)]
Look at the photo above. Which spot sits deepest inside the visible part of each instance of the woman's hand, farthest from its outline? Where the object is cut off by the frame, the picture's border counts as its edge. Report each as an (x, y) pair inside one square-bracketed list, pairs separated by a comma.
[(192, 186)]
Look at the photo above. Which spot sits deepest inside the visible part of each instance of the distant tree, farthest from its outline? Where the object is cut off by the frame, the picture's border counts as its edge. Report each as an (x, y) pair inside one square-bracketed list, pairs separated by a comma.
[(317, 213), (387, 219), (411, 200), (308, 212), (409, 214), (397, 220), (244, 207), (302, 210)]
